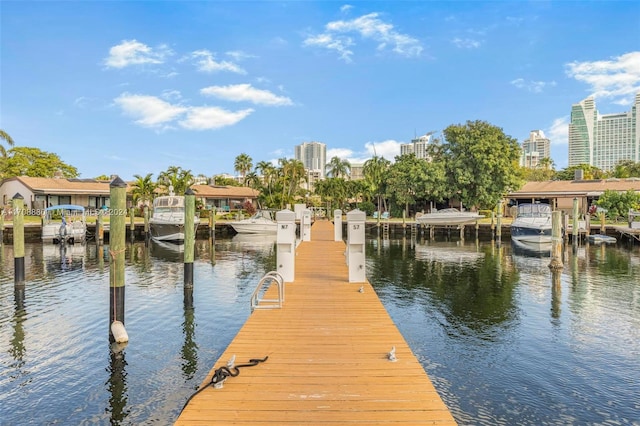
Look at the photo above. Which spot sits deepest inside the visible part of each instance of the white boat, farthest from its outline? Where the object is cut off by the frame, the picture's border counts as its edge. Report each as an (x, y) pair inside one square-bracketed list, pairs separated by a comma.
[(601, 239), (262, 222), (532, 226), (64, 223), (448, 216), (167, 220)]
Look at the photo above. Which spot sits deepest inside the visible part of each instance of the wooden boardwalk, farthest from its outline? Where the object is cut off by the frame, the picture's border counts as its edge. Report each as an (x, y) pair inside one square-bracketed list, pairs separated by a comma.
[(328, 357)]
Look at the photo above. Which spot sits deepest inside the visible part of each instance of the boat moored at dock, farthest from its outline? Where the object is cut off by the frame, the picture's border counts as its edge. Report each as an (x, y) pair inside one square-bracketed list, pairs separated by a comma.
[(167, 221), (64, 223)]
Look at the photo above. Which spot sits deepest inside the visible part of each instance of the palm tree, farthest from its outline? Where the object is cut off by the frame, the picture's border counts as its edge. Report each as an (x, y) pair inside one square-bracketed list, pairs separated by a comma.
[(4, 136), (269, 174), (177, 178), (143, 189), (338, 167), (374, 170), (292, 174), (243, 165)]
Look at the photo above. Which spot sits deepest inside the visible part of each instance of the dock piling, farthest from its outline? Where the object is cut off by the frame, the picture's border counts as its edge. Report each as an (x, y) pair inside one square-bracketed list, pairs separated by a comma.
[(117, 247), (18, 239), (189, 236), (556, 241)]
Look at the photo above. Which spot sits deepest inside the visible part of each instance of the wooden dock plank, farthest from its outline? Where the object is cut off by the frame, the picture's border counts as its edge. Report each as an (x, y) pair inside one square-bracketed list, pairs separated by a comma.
[(328, 356)]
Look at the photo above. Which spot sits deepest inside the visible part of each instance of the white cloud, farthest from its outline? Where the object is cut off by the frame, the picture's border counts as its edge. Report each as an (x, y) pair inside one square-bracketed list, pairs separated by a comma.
[(153, 112), (331, 42), (132, 52), (558, 133), (339, 152), (150, 111), (617, 78), (246, 92), (239, 55), (368, 27), (205, 62), (206, 118), (532, 86), (466, 43), (171, 95), (388, 149), (345, 8)]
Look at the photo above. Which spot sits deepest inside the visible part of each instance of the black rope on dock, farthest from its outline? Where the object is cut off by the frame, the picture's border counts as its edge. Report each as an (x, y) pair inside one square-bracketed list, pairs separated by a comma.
[(222, 373)]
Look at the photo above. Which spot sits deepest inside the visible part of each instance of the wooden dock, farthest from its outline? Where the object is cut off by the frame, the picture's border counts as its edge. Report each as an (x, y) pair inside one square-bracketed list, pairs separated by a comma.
[(328, 357)]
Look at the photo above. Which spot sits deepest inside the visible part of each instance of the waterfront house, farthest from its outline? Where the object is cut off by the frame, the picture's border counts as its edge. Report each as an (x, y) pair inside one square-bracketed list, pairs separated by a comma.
[(40, 193), (560, 193), (225, 198)]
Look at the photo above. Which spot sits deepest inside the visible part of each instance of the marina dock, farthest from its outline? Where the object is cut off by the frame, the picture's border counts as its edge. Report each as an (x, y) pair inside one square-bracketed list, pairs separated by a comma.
[(329, 358)]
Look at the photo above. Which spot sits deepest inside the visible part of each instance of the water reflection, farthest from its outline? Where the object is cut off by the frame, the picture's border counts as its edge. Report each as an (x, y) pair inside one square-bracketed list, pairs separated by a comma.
[(505, 340), (508, 341)]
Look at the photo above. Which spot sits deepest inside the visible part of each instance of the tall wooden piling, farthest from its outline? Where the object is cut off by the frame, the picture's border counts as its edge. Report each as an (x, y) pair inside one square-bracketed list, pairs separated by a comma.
[(100, 227), (603, 223), (117, 247), (1, 226), (556, 241), (499, 222), (146, 221), (212, 223), (575, 231), (18, 238), (132, 222), (189, 236)]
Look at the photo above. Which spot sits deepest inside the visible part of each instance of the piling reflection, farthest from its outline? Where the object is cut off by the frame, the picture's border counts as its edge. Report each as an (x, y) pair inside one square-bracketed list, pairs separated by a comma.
[(117, 385), (189, 350)]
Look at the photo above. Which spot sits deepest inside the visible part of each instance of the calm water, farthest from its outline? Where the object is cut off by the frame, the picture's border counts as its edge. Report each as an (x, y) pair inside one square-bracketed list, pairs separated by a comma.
[(504, 340)]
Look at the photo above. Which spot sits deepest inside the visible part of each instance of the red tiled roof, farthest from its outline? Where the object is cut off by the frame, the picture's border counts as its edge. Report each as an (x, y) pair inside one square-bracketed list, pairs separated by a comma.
[(577, 187)]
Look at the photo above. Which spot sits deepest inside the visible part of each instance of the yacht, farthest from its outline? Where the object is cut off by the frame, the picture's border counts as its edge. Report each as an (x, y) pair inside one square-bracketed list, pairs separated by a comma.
[(532, 225), (262, 222), (167, 220)]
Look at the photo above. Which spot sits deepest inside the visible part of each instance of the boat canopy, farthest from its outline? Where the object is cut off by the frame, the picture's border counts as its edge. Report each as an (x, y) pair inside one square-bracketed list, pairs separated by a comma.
[(529, 209), (65, 207)]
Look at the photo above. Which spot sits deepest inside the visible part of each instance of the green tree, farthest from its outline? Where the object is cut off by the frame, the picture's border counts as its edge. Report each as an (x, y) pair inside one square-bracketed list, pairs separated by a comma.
[(626, 169), (103, 177), (243, 165), (333, 191), (267, 190), (292, 174), (26, 161), (374, 171), (175, 178), (338, 167), (4, 137), (618, 204), (406, 180), (588, 173), (482, 163), (143, 189)]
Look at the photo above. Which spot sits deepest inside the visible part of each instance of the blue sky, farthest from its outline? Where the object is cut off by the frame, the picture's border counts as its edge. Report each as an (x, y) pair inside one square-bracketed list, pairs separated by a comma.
[(131, 88)]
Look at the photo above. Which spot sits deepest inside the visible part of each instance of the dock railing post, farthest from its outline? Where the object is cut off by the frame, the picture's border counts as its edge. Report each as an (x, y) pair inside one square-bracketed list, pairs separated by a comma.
[(356, 245), (286, 242), (337, 225), (305, 225)]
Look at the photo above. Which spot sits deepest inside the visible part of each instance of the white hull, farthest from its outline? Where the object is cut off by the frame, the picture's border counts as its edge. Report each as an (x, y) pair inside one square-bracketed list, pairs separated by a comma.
[(260, 223), (532, 227), (167, 222), (73, 231), (448, 217)]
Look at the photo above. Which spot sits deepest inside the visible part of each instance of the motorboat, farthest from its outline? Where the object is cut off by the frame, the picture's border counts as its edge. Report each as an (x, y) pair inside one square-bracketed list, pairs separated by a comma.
[(601, 239), (448, 216), (262, 222), (64, 223), (167, 221), (532, 226)]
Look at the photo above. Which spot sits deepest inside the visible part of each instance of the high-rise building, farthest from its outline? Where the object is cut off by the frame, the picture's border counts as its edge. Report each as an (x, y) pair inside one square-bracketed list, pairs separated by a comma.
[(313, 155), (603, 140), (417, 146), (535, 149)]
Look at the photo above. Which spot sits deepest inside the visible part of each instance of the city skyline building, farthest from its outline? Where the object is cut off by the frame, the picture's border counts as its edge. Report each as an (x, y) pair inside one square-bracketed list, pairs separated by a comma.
[(603, 140), (534, 149), (313, 155), (417, 146)]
